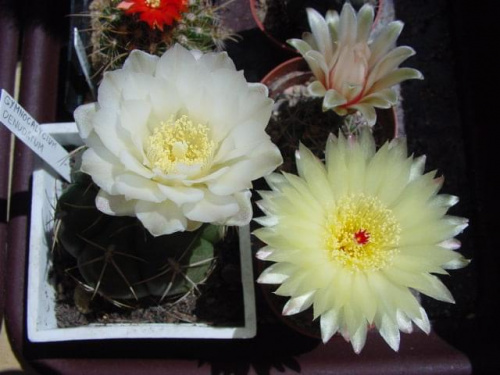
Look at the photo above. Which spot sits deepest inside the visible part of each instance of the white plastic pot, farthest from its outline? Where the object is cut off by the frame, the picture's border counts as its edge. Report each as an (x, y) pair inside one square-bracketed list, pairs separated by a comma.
[(41, 303)]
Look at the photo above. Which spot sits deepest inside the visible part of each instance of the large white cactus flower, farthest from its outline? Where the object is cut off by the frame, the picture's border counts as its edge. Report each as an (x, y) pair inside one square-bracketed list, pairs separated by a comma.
[(353, 71), (356, 236), (177, 140)]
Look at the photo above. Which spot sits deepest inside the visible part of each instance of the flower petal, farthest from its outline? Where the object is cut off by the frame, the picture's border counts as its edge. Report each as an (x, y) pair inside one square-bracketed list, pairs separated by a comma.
[(181, 195), (317, 64), (134, 118), (320, 32), (390, 332), (216, 61), (131, 164), (347, 25), (423, 321), (260, 161), (316, 88), (385, 41), (313, 171), (333, 99), (176, 63), (112, 135), (115, 205), (133, 186), (404, 322), (300, 45), (388, 63), (141, 62), (362, 294), (365, 23), (276, 273), (330, 324), (103, 171), (395, 77), (367, 111), (245, 211), (212, 209), (298, 304), (162, 219), (358, 340), (84, 115), (381, 99)]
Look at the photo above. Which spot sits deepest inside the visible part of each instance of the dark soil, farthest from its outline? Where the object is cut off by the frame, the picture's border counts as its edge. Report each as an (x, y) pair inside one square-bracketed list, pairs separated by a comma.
[(219, 301), (302, 322), (448, 117), (303, 122), (298, 117), (433, 127)]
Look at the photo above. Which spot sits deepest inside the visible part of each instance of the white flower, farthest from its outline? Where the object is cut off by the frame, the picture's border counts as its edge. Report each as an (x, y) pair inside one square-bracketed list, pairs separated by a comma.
[(353, 72), (177, 140), (353, 237)]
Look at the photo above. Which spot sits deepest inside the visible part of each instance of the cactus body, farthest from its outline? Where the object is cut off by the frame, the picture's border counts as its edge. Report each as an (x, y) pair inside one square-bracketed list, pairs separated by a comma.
[(114, 34), (118, 259)]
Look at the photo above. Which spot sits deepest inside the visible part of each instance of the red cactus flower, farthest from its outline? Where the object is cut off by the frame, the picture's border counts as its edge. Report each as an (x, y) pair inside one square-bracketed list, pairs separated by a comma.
[(156, 13)]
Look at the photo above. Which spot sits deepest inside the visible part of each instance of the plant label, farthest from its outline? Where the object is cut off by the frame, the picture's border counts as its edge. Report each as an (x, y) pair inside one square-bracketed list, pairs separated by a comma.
[(20, 122), (82, 59)]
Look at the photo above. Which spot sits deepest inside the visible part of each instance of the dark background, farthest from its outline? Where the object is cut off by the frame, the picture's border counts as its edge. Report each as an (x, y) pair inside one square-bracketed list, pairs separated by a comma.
[(450, 117)]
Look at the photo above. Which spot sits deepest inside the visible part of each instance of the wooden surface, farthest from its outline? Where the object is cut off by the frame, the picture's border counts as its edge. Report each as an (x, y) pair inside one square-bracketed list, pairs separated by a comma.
[(8, 361), (9, 30)]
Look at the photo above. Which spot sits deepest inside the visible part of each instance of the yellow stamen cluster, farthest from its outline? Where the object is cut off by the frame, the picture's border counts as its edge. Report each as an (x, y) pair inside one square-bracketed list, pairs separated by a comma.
[(179, 142), (153, 3), (361, 233)]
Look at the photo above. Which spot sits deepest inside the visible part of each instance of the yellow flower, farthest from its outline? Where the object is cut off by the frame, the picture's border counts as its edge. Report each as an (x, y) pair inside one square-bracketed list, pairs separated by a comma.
[(353, 71), (355, 236)]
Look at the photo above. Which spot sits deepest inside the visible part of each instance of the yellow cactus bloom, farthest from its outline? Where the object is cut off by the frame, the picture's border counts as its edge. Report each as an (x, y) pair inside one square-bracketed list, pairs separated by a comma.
[(354, 237), (354, 71)]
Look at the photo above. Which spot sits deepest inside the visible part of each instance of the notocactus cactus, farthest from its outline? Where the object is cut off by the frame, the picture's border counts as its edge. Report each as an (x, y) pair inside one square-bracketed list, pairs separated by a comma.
[(115, 33), (118, 259)]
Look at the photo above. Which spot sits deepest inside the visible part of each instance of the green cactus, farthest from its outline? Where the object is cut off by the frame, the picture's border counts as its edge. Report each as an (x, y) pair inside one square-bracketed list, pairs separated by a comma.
[(118, 259), (113, 34)]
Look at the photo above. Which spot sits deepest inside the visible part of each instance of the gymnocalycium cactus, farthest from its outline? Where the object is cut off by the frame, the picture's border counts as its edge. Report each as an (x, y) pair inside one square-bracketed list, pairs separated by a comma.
[(119, 259), (116, 30)]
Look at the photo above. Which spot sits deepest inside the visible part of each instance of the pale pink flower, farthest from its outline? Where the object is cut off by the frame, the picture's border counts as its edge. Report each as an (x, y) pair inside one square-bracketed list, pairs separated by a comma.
[(354, 71)]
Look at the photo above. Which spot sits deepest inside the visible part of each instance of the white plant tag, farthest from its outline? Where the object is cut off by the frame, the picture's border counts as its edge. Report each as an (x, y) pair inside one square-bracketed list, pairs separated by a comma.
[(19, 122), (82, 59)]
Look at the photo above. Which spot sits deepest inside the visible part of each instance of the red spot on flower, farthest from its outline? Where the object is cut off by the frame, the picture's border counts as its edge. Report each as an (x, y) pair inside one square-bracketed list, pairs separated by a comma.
[(156, 13), (362, 237)]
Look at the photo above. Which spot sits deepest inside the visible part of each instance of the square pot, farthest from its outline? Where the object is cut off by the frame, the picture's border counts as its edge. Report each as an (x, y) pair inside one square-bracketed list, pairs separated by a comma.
[(41, 295)]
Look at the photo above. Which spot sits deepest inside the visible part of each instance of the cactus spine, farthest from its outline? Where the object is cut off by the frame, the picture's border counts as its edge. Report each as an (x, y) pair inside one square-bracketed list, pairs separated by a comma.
[(118, 259), (113, 34)]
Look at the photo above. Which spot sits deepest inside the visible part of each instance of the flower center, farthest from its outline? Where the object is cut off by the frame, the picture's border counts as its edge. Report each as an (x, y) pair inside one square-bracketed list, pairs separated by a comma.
[(179, 142), (153, 3), (350, 72), (361, 233)]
